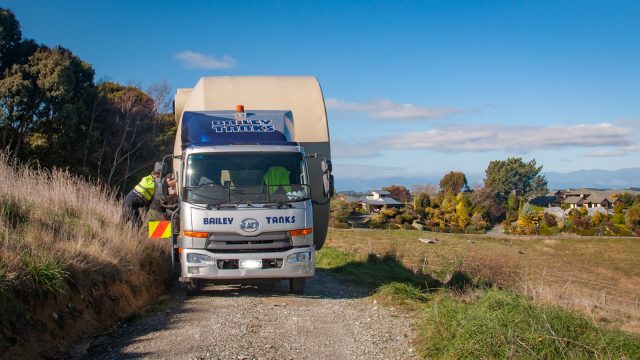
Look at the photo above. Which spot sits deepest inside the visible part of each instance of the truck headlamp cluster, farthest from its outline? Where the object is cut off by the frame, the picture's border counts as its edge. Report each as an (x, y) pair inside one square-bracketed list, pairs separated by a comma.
[(301, 257), (199, 259)]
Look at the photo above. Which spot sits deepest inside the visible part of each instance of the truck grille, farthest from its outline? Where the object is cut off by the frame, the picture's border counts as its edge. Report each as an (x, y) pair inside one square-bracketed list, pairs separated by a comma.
[(232, 242)]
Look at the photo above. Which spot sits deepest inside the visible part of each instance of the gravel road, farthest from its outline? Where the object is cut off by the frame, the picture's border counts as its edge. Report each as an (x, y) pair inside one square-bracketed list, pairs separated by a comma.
[(331, 321)]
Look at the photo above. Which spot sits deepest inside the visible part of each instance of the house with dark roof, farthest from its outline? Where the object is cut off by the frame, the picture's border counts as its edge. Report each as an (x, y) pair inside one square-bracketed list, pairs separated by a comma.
[(379, 199), (590, 198)]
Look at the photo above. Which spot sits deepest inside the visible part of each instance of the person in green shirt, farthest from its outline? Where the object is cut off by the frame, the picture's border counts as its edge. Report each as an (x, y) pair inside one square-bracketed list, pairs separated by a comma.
[(277, 177)]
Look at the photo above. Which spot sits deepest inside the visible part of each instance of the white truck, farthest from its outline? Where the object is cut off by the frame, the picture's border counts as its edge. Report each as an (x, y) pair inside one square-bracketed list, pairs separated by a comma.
[(253, 167)]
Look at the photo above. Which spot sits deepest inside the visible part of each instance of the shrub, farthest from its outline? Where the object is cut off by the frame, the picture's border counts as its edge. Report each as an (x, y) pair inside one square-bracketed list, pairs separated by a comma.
[(389, 213), (408, 227), (618, 208), (621, 230), (632, 216), (544, 230), (340, 211), (341, 226), (587, 232), (617, 219), (581, 223), (471, 229), (378, 221), (598, 218), (478, 221), (408, 218)]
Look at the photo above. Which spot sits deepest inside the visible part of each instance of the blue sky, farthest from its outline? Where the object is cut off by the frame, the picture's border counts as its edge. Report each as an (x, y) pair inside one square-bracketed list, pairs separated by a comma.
[(411, 87)]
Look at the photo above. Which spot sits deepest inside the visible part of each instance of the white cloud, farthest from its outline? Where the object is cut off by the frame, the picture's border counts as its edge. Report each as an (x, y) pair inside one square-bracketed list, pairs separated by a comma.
[(512, 138), (387, 109), (360, 171), (606, 153), (614, 152), (628, 122), (193, 60), (353, 149)]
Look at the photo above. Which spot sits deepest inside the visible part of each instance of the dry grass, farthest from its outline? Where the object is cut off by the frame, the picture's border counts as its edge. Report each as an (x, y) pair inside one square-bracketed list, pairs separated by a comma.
[(60, 238), (52, 216), (577, 271)]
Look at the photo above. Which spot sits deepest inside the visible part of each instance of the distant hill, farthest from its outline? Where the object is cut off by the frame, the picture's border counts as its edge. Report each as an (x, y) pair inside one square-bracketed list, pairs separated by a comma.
[(604, 179), (600, 179)]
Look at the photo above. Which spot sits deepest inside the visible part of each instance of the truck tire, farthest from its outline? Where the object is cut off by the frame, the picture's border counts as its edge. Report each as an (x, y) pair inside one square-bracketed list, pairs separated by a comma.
[(194, 287), (296, 285)]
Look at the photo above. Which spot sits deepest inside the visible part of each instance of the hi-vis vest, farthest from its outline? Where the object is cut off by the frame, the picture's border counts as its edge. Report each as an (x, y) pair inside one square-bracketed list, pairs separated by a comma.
[(145, 187)]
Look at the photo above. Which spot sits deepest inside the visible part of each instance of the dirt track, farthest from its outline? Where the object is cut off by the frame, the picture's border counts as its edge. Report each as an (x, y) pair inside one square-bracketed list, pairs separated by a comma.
[(331, 321)]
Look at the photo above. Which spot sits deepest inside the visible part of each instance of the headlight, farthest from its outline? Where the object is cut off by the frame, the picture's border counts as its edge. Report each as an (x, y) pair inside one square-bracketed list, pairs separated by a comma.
[(199, 259), (299, 257)]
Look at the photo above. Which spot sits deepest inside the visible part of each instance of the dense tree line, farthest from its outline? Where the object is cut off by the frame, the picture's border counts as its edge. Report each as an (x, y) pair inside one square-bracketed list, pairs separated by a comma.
[(53, 113), (453, 206)]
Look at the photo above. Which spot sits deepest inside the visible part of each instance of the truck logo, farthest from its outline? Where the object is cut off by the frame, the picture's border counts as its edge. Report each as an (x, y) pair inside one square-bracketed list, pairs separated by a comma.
[(229, 126), (249, 225)]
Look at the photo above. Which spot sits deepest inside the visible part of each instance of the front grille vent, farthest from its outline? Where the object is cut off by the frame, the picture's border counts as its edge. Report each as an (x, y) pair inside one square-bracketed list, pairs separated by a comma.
[(232, 242)]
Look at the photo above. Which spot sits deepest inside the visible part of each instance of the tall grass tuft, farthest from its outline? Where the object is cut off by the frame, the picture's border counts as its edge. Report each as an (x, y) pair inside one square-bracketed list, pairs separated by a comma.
[(47, 274), (401, 294)]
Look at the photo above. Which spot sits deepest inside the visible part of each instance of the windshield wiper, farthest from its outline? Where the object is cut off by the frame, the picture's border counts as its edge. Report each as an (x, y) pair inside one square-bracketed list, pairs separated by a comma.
[(278, 205), (201, 186)]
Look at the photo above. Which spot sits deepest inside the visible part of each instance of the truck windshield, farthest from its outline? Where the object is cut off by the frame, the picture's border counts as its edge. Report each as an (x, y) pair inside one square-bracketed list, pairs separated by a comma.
[(245, 178)]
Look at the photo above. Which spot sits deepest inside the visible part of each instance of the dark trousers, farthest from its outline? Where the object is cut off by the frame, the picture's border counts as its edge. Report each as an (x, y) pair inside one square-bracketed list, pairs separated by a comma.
[(131, 211)]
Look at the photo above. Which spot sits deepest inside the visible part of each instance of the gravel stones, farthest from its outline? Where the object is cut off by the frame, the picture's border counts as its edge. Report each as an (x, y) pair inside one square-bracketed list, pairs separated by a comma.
[(331, 321)]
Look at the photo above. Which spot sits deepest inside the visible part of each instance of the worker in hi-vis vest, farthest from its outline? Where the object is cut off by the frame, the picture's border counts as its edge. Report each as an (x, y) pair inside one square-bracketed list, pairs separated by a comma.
[(140, 197)]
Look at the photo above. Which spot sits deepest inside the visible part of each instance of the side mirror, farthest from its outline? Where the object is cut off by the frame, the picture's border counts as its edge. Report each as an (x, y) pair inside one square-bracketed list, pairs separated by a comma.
[(162, 188), (327, 178), (163, 168), (324, 166), (326, 184)]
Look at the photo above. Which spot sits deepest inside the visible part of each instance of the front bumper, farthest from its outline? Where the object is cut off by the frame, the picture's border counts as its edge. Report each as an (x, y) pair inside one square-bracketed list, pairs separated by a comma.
[(211, 271)]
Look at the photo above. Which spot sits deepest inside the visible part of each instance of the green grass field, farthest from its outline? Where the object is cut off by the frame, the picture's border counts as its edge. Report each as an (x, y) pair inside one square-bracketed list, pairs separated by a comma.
[(597, 276), (464, 319)]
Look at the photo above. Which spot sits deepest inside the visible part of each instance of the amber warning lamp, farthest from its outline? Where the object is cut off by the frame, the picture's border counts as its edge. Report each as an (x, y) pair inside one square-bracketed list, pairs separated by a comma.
[(240, 114)]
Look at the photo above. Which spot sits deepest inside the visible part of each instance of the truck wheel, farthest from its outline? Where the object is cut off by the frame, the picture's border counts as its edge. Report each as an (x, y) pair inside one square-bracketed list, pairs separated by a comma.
[(194, 287), (296, 285)]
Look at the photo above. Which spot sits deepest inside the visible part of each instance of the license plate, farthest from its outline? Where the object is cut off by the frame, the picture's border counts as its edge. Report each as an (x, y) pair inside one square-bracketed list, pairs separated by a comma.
[(250, 264)]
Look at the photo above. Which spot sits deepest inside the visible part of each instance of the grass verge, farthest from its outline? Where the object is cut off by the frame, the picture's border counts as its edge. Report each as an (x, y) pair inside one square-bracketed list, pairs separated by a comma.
[(465, 319), (68, 268), (597, 276), (500, 324)]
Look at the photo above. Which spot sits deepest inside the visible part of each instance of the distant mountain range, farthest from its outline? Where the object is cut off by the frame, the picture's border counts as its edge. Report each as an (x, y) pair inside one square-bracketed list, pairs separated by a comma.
[(600, 179)]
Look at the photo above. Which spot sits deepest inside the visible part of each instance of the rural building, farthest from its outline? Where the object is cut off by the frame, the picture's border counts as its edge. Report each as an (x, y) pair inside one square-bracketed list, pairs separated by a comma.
[(589, 198), (379, 199)]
